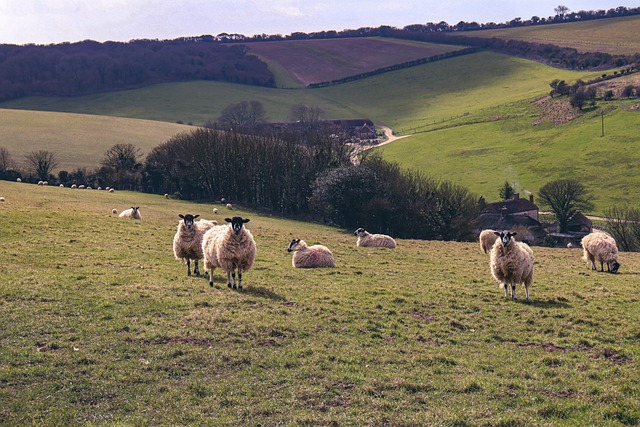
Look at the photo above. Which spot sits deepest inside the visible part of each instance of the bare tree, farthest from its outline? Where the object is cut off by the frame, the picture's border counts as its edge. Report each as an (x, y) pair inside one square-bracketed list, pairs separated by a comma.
[(565, 197), (561, 11), (41, 163), (245, 115), (6, 162), (306, 113), (120, 163)]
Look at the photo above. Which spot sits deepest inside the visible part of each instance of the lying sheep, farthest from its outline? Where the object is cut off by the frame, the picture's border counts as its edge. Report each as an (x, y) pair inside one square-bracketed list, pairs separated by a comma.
[(229, 206), (111, 190), (187, 242), (374, 240), (487, 238), (215, 211), (230, 247), (1, 199), (131, 213), (304, 256), (601, 247), (114, 211), (511, 263)]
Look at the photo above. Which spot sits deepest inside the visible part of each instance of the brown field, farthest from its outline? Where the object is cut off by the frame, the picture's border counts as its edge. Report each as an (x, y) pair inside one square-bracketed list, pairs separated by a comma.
[(314, 61), (611, 35)]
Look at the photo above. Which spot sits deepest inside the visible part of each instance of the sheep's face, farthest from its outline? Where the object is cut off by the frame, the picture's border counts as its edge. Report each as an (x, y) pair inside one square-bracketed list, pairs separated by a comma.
[(614, 266), (505, 238), (236, 223), (359, 232), (293, 246), (188, 220)]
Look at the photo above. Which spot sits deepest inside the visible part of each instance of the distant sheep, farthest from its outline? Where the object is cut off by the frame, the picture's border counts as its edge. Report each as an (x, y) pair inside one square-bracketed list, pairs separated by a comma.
[(230, 247), (74, 186), (1, 199), (511, 263), (166, 196), (187, 242), (111, 190), (487, 238), (82, 187), (229, 206), (304, 256), (601, 247), (40, 182), (215, 211), (99, 188), (131, 213), (62, 185), (374, 240), (114, 211), (18, 179)]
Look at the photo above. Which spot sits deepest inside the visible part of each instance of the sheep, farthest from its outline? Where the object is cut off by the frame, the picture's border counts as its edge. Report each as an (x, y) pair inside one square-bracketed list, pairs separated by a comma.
[(215, 211), (166, 196), (99, 188), (487, 239), (82, 187), (74, 186), (62, 185), (373, 240), (187, 242), (601, 247), (131, 213), (111, 190), (1, 199), (304, 256), (229, 206), (229, 247), (45, 182), (18, 179), (40, 182), (511, 263)]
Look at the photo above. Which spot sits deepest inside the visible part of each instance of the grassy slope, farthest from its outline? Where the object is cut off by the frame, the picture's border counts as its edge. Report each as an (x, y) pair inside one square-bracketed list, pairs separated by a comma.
[(613, 35), (101, 326), (78, 140)]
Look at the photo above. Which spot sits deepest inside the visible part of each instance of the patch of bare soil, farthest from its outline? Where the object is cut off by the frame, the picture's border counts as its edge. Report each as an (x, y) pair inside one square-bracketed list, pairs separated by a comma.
[(555, 110)]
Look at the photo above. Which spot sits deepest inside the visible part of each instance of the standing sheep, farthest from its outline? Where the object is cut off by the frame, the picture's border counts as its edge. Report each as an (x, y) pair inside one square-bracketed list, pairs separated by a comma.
[(601, 247), (131, 213), (511, 263), (187, 242), (304, 256), (230, 247), (373, 240), (487, 238)]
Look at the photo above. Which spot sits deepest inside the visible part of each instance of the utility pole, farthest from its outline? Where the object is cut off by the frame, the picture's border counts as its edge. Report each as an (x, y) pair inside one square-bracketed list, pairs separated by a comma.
[(602, 136)]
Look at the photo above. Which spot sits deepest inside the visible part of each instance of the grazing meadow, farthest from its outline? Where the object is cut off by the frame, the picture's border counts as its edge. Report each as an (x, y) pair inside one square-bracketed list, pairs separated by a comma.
[(100, 325)]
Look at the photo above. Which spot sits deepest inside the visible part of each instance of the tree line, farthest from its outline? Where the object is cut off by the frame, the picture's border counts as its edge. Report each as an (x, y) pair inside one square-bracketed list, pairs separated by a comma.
[(85, 67)]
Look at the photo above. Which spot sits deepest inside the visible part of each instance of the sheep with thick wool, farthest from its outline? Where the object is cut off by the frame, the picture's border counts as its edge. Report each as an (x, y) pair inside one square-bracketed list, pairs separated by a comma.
[(187, 242), (131, 213), (230, 247), (373, 240), (305, 256), (511, 263), (601, 247), (487, 238)]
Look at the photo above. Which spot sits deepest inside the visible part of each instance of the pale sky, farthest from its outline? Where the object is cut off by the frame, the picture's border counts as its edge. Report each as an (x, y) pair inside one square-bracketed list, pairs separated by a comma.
[(56, 21)]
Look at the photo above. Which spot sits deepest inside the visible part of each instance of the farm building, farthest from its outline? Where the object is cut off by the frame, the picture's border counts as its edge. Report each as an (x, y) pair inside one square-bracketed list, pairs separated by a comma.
[(516, 214), (515, 206)]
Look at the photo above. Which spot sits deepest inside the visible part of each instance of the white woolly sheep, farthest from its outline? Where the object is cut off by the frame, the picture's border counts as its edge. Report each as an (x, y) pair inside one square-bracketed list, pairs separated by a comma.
[(230, 247), (99, 188), (215, 211), (305, 256), (1, 199), (62, 185), (18, 179), (40, 182), (74, 186), (187, 242), (229, 206), (82, 187), (111, 190), (131, 213), (511, 263), (166, 196), (114, 211), (601, 247), (373, 240), (487, 239)]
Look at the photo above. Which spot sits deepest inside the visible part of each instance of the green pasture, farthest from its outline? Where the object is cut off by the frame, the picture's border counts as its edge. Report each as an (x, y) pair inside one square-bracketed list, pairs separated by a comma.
[(101, 326), (611, 35), (484, 151), (78, 140)]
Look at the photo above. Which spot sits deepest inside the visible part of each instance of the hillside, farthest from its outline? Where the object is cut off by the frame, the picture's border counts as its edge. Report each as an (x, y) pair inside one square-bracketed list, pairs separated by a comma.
[(611, 35), (315, 61), (78, 140), (100, 325)]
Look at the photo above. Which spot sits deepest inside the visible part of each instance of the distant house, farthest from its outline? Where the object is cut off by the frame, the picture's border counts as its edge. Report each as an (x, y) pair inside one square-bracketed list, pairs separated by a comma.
[(515, 206), (579, 223), (359, 128), (366, 132), (514, 214)]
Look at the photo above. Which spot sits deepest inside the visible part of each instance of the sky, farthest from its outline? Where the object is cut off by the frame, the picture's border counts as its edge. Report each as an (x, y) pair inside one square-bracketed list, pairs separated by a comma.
[(56, 21)]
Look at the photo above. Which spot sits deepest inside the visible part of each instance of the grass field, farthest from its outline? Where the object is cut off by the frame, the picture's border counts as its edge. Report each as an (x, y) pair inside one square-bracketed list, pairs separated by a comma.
[(611, 35), (101, 326), (78, 140), (315, 61)]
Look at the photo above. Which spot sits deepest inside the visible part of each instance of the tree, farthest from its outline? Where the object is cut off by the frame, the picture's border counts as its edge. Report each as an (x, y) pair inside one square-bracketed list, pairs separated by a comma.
[(506, 191), (6, 162), (561, 11), (305, 113), (245, 115), (41, 163), (120, 164), (565, 197), (579, 99)]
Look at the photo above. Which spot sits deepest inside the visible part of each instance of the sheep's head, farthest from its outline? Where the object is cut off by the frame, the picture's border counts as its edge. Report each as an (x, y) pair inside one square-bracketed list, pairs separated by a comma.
[(236, 223), (135, 209), (188, 220), (293, 246), (614, 266), (505, 238), (359, 232)]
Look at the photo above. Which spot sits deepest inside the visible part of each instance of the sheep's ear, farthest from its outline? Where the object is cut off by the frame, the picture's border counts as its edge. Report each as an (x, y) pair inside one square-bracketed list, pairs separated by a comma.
[(246, 220), (513, 234), (228, 219), (181, 216), (195, 216), (497, 233)]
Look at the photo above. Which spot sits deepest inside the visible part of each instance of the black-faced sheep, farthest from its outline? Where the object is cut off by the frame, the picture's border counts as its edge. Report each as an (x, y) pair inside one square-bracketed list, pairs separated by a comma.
[(304, 256), (373, 240), (131, 213), (601, 247), (511, 263), (230, 247), (487, 238), (187, 242)]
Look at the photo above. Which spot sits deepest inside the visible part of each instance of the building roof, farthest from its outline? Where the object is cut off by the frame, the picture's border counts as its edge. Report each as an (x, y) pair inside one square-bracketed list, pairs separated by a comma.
[(516, 205)]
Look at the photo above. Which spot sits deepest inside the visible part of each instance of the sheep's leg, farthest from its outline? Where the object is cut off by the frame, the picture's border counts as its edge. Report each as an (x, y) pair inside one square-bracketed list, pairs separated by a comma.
[(602, 266), (526, 291), (239, 279), (195, 270), (188, 267), (506, 290), (210, 276), (229, 280), (513, 290), (233, 275)]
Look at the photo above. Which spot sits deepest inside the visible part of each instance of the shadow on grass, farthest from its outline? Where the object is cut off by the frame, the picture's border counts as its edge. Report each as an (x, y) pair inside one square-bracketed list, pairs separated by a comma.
[(549, 303), (263, 292)]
